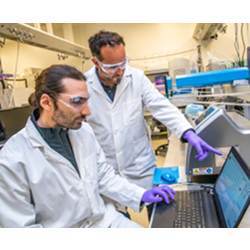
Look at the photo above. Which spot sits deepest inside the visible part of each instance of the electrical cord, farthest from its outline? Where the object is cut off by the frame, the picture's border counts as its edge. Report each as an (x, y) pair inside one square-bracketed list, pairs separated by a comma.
[(17, 59), (15, 72), (244, 44), (248, 36), (236, 42)]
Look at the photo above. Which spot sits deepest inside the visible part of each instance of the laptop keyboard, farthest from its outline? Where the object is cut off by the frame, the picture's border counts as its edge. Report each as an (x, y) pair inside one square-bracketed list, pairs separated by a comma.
[(190, 210)]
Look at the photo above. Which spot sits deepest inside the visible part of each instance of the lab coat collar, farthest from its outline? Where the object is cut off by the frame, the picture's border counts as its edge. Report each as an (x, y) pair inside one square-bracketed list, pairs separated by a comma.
[(94, 82), (33, 134), (38, 142), (35, 137)]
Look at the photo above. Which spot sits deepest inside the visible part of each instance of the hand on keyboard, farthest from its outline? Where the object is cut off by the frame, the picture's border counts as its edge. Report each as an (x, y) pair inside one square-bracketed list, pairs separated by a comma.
[(159, 194)]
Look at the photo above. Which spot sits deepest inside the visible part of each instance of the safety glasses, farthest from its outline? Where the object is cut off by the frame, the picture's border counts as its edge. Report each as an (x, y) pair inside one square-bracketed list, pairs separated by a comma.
[(75, 102), (112, 68)]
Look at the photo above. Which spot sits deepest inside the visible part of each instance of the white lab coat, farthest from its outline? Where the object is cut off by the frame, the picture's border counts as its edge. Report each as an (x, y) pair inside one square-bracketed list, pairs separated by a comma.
[(41, 188), (120, 126)]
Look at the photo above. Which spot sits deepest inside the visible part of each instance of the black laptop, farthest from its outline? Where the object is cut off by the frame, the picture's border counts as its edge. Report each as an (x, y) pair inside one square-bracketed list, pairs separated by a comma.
[(223, 206)]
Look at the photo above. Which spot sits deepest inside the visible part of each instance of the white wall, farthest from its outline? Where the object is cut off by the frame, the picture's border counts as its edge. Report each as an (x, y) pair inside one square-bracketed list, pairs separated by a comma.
[(223, 47), (145, 40), (142, 40), (30, 56)]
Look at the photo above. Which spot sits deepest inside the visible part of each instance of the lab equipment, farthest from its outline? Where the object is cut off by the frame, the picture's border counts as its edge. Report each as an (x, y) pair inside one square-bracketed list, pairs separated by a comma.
[(201, 147), (193, 110), (219, 130), (36, 37), (216, 77), (224, 207), (209, 83)]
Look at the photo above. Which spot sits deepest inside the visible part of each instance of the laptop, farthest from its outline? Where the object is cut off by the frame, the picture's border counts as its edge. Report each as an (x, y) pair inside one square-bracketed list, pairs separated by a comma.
[(222, 206)]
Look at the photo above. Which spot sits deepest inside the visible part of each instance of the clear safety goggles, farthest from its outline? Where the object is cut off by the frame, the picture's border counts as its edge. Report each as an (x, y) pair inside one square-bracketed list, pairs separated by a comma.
[(74, 102), (112, 68)]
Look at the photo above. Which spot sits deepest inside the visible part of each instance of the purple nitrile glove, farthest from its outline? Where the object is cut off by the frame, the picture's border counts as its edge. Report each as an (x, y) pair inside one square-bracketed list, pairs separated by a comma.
[(157, 194), (201, 147)]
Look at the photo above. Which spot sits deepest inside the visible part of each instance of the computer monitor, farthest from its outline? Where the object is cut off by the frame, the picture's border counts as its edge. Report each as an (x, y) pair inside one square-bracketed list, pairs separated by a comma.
[(2, 132), (14, 119), (232, 189)]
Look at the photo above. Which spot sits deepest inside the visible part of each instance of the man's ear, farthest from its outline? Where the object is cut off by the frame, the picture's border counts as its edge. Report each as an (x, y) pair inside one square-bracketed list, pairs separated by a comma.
[(47, 103)]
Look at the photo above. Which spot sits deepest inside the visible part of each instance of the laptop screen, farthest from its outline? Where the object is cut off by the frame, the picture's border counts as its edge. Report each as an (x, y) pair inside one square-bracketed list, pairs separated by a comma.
[(232, 188)]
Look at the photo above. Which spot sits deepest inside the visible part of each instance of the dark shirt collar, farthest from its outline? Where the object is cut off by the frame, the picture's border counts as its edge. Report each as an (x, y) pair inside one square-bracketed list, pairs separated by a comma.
[(103, 85), (110, 91), (47, 132)]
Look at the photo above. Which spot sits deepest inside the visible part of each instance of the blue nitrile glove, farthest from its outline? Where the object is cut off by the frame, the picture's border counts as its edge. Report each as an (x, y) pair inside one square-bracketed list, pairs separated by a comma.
[(158, 194), (201, 147)]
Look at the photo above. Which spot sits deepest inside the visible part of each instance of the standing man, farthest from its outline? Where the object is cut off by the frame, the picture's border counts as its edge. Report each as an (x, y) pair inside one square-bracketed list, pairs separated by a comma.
[(53, 173), (119, 95)]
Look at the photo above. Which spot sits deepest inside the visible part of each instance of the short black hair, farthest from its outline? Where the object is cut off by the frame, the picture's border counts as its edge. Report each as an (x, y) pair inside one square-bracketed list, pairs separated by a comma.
[(49, 82), (103, 38)]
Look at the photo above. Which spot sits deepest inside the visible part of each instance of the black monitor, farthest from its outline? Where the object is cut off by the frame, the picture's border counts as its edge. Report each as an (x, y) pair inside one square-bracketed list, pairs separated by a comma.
[(2, 132), (13, 120)]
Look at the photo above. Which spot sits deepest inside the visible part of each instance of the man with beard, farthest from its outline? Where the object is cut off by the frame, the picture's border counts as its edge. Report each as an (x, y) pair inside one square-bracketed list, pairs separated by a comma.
[(120, 94), (53, 173)]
